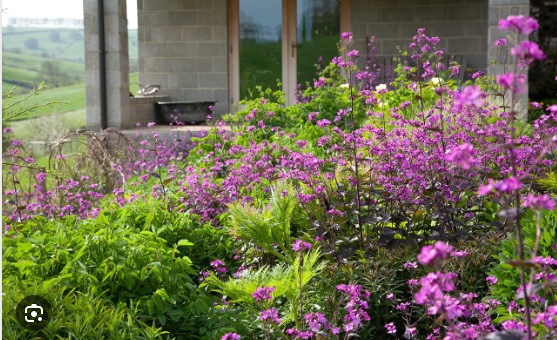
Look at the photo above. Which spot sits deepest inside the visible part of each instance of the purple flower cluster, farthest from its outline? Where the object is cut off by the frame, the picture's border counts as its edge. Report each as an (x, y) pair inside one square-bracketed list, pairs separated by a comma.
[(300, 245), (356, 306), (263, 293), (430, 253)]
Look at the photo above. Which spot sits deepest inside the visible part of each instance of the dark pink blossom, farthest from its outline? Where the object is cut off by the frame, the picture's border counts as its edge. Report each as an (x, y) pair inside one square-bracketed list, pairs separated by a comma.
[(429, 253), (539, 202), (263, 293), (519, 24), (528, 51)]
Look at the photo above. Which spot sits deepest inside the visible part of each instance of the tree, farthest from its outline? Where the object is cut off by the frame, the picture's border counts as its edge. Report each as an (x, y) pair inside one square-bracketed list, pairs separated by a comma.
[(54, 36), (76, 35), (31, 43), (53, 74)]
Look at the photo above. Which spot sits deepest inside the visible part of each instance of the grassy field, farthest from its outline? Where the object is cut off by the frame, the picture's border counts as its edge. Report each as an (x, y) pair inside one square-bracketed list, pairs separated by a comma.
[(25, 71)]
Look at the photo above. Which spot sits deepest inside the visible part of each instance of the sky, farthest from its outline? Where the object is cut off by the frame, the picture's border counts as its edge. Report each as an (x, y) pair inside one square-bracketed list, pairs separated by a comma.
[(55, 9)]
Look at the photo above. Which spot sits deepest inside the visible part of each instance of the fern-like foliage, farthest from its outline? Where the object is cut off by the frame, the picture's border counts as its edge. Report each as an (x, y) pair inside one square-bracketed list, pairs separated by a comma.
[(549, 182), (290, 281), (268, 227)]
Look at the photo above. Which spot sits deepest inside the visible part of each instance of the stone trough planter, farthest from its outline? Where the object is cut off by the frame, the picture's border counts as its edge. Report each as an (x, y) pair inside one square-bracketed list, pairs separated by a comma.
[(188, 112)]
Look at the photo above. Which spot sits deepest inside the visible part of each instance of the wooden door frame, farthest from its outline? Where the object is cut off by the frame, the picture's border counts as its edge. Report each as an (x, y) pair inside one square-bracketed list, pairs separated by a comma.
[(289, 49)]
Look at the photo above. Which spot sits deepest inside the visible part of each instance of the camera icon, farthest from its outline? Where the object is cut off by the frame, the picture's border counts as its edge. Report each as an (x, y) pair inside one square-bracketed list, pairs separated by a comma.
[(34, 313)]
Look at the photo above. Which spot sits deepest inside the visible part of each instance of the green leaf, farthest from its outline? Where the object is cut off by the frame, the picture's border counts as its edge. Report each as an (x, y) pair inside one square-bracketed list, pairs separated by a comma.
[(184, 243)]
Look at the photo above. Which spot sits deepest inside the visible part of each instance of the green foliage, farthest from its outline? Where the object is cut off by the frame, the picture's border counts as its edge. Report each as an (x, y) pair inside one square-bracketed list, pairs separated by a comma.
[(269, 228), (289, 280), (77, 315), (506, 273), (134, 257), (549, 182)]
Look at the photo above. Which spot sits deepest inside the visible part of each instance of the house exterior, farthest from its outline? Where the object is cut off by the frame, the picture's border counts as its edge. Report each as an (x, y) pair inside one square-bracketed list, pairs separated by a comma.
[(204, 50)]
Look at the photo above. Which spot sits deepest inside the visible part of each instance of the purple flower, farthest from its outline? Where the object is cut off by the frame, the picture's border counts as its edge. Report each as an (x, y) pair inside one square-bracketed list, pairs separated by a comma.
[(410, 265), (431, 252), (459, 253), (527, 51), (519, 24), (323, 122), (8, 130), (501, 42), (319, 82), (470, 96), (462, 155), (231, 336), (151, 124), (219, 266), (539, 202), (263, 293), (353, 54), (508, 185), (491, 280), (299, 245), (391, 328), (270, 314), (346, 36)]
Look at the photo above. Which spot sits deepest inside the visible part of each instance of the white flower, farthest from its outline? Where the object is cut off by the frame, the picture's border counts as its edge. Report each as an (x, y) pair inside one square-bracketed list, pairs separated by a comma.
[(344, 86), (380, 87), (435, 81)]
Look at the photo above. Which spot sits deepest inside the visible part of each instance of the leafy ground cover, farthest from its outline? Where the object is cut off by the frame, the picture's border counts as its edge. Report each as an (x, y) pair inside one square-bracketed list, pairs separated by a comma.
[(417, 209)]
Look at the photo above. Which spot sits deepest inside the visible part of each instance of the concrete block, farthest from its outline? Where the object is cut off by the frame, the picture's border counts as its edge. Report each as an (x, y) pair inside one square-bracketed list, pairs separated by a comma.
[(186, 49), (115, 7), (465, 45), (196, 4), (90, 25), (219, 5), (213, 80), (397, 14), (184, 65), (475, 28), (219, 33), (117, 62), (169, 5), (176, 94), (493, 16), (465, 13), (220, 64), (508, 2), (153, 49), (211, 50), (366, 16), (213, 18), (198, 94), (165, 34), (392, 46), (196, 33), (414, 2), (180, 18), (476, 61), (380, 30), (221, 96), (183, 80), (445, 29), (91, 42), (431, 13)]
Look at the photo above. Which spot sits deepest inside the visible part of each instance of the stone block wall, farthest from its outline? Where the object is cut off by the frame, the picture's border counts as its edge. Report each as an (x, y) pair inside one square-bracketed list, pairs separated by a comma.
[(183, 48), (117, 64), (143, 108), (460, 24)]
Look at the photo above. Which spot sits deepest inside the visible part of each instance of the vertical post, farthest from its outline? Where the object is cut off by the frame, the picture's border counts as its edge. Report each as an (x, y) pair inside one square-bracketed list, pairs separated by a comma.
[(102, 66)]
